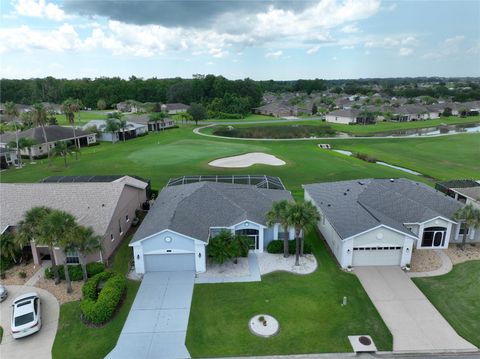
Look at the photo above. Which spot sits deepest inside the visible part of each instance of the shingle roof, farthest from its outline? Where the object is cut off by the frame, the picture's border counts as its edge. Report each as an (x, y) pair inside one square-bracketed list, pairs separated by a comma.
[(471, 192), (355, 206), (54, 133), (352, 113), (191, 209), (92, 204)]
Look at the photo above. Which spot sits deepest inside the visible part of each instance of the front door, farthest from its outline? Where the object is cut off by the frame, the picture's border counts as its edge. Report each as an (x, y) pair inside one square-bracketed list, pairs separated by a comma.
[(251, 234)]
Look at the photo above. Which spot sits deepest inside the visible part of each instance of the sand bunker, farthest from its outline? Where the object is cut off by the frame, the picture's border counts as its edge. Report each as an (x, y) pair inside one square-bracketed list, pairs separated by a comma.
[(247, 160)]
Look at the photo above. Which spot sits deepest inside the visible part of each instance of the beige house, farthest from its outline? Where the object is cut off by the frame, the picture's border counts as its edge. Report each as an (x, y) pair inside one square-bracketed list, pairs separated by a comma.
[(107, 207)]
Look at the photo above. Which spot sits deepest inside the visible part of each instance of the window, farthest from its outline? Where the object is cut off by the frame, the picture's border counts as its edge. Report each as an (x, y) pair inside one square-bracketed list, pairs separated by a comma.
[(434, 237), (463, 230), (127, 219), (35, 306), (72, 257), (120, 228), (112, 238)]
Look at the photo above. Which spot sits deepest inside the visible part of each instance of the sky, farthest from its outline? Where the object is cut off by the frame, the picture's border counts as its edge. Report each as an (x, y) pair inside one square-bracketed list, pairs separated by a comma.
[(259, 39)]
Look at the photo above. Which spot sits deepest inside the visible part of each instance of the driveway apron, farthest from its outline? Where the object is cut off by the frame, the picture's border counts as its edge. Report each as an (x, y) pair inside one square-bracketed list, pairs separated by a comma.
[(416, 325), (156, 326)]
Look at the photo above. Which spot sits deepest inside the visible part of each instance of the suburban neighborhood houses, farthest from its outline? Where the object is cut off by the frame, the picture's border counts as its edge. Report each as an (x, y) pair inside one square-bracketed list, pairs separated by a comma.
[(239, 179)]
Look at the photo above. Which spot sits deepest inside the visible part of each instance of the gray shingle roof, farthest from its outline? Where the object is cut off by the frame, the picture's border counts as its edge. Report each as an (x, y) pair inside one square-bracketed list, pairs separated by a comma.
[(92, 204), (355, 206), (192, 209), (54, 133)]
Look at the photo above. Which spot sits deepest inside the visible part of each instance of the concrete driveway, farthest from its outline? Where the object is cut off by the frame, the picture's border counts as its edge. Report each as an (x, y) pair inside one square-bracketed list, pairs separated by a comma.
[(38, 345), (416, 325), (156, 326)]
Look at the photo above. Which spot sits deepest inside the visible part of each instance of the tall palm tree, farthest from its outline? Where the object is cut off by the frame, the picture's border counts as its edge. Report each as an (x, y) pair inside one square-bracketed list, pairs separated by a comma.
[(39, 118), (122, 123), (86, 242), (31, 229), (59, 228), (69, 108), (61, 149), (22, 143), (469, 217), (301, 216), (12, 112), (8, 247), (112, 125), (277, 214)]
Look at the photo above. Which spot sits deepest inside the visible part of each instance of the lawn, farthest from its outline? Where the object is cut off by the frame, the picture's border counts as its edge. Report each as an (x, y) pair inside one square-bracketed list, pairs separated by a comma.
[(456, 296), (76, 340), (438, 157), (83, 117), (178, 152), (312, 319)]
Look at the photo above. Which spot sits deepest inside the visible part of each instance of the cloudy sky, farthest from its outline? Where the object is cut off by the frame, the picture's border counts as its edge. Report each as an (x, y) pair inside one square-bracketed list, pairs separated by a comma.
[(247, 38)]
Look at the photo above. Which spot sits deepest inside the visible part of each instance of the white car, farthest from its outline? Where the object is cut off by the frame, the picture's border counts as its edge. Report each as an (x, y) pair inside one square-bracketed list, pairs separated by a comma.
[(26, 318)]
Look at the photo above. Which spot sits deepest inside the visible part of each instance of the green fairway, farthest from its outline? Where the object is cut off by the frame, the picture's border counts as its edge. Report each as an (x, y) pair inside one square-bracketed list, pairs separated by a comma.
[(438, 157), (456, 296), (178, 152), (308, 308)]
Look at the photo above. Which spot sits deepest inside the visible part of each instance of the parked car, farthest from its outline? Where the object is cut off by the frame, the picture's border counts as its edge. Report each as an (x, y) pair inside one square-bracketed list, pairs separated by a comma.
[(3, 293), (26, 317)]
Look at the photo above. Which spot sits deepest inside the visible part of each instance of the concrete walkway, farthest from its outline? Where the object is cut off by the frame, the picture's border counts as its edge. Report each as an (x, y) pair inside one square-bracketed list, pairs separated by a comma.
[(444, 268), (39, 274), (38, 345), (156, 326), (254, 275), (416, 325)]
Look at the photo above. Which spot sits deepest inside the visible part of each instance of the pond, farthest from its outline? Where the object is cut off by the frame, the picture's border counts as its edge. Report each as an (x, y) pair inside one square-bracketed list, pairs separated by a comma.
[(431, 131)]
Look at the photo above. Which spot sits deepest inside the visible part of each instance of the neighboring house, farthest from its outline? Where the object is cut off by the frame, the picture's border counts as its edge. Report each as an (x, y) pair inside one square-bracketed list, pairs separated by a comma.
[(466, 192), (175, 233), (127, 106), (131, 131), (277, 109), (349, 116), (54, 134), (52, 107), (107, 207), (152, 126), (174, 108), (8, 157), (379, 221)]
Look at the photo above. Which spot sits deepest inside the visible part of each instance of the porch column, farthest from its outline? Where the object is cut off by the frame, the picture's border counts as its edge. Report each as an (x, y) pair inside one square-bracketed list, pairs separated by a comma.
[(260, 239), (275, 231), (36, 258)]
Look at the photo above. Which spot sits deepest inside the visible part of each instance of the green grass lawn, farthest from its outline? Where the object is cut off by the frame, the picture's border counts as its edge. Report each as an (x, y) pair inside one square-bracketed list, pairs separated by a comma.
[(367, 130), (456, 295), (441, 157), (251, 117), (76, 340), (308, 309), (83, 118)]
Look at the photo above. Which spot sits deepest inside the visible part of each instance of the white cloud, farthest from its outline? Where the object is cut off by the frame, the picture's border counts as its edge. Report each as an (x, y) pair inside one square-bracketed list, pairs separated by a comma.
[(405, 51), (39, 8), (274, 54), (393, 41), (449, 47), (350, 29), (313, 49)]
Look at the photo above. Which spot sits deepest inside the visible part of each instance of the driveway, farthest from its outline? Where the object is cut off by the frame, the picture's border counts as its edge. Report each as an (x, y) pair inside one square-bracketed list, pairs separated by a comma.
[(413, 321), (38, 345), (156, 326)]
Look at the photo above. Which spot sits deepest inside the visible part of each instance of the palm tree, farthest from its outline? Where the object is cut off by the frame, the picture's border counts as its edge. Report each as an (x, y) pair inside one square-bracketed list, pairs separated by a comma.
[(469, 217), (39, 118), (11, 111), (8, 247), (277, 214), (301, 216), (61, 150), (31, 229), (122, 123), (86, 242), (24, 142), (112, 125), (69, 108), (59, 228)]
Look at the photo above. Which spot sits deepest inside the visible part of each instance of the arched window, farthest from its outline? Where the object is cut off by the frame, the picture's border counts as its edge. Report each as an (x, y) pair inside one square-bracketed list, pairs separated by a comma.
[(434, 237)]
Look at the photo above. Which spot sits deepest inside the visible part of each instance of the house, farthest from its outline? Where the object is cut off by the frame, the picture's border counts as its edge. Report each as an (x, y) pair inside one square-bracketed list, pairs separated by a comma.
[(175, 233), (8, 157), (107, 207), (380, 221), (53, 133), (174, 108), (350, 116), (128, 106), (152, 126), (132, 130), (277, 109)]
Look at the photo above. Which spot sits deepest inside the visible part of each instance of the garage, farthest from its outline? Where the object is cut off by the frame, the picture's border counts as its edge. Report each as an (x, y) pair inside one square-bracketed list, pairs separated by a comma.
[(377, 256), (169, 262)]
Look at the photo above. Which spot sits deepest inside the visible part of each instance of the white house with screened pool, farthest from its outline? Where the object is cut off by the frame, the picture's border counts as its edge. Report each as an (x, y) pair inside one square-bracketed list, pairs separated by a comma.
[(379, 222), (175, 233)]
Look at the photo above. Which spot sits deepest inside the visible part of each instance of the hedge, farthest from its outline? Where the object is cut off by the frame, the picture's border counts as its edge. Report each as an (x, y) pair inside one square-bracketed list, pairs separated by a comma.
[(75, 271), (276, 246), (99, 309)]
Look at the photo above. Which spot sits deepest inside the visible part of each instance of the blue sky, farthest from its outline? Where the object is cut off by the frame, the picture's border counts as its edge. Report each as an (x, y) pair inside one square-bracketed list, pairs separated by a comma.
[(267, 39)]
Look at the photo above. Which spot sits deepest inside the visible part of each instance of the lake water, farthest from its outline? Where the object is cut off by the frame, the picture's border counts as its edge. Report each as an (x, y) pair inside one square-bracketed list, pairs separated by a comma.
[(433, 131)]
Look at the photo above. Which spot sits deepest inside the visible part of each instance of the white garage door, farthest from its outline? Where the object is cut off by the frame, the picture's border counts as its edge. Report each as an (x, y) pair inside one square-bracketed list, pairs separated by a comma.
[(169, 262), (376, 256)]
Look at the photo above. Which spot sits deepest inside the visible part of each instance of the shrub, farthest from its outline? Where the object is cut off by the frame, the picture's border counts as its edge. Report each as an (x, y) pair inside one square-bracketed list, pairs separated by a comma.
[(277, 247), (22, 275), (75, 271), (365, 157), (99, 309)]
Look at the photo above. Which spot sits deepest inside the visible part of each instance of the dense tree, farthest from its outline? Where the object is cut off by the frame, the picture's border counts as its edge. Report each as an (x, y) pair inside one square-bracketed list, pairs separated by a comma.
[(101, 104), (198, 112)]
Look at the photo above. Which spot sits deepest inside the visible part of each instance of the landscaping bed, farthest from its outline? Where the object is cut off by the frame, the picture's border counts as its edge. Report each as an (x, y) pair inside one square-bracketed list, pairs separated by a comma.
[(425, 260), (459, 255), (19, 274), (280, 131)]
